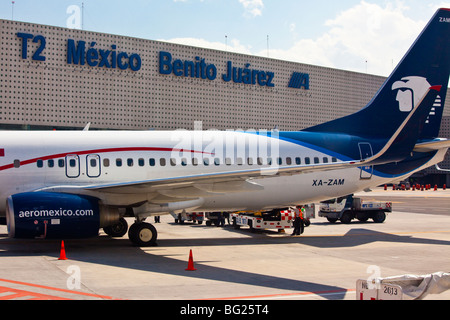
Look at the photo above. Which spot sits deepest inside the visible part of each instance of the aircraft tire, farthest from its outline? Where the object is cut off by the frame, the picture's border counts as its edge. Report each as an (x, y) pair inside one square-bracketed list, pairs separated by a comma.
[(379, 217), (117, 230), (346, 217), (362, 216), (143, 234)]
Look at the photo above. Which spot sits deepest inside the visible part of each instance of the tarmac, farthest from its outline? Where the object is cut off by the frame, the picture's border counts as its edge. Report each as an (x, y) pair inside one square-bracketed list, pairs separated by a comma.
[(324, 263)]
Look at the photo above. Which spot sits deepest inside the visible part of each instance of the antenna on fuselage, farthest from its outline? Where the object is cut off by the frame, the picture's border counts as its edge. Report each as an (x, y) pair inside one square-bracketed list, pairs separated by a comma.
[(86, 127)]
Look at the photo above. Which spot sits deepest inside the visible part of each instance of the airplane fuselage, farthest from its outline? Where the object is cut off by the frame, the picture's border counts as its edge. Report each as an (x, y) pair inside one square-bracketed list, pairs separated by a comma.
[(60, 160)]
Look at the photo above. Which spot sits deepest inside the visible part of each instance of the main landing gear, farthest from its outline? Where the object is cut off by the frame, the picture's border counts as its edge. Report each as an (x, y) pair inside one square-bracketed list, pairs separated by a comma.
[(141, 234)]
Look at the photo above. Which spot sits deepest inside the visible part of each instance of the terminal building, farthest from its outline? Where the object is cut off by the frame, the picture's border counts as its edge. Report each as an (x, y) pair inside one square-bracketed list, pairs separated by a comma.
[(59, 78)]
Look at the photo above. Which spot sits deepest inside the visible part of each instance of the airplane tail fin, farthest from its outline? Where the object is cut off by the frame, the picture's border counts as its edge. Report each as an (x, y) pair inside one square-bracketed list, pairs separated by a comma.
[(426, 64)]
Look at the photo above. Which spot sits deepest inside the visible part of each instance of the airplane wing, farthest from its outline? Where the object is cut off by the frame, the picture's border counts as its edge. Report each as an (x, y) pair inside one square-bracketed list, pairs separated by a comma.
[(225, 179), (206, 183), (178, 193)]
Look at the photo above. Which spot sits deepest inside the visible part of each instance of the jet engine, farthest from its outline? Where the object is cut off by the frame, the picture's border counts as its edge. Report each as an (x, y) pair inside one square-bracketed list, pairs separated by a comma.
[(50, 215)]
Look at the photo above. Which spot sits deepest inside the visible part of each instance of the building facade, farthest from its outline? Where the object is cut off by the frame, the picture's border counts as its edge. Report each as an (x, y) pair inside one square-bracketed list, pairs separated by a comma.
[(60, 78)]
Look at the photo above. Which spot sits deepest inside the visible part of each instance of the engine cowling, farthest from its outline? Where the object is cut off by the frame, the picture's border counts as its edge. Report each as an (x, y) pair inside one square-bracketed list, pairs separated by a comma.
[(56, 215)]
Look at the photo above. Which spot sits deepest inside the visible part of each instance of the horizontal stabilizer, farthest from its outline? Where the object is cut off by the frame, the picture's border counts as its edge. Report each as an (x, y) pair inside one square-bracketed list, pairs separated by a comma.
[(433, 145)]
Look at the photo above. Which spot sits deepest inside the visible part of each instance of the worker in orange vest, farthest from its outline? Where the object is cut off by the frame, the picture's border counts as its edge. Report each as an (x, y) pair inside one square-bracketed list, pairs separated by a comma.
[(299, 226)]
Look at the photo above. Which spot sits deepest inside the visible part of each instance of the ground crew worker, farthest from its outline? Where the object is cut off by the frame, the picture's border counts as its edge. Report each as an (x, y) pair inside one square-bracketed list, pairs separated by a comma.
[(299, 225), (302, 219), (221, 219)]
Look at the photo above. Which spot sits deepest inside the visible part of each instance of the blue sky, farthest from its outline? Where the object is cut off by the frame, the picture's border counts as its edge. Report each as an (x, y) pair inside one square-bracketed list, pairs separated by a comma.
[(364, 36)]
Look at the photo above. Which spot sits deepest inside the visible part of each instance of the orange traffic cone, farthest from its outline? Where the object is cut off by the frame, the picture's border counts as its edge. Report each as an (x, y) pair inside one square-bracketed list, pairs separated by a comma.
[(62, 255), (190, 263)]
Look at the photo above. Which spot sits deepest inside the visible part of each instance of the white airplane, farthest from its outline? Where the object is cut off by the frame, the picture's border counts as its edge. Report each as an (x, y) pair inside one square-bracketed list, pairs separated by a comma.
[(66, 184)]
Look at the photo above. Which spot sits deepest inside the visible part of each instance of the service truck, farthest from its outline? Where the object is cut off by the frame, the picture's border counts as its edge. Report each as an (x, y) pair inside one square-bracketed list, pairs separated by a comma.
[(348, 208), (279, 219)]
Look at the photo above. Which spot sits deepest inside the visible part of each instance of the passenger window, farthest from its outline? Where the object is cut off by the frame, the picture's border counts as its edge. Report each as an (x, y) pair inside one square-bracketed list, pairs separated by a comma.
[(173, 162), (61, 163), (307, 160), (141, 162), (298, 160), (280, 161), (16, 163), (288, 161), (118, 162), (184, 162), (316, 160), (51, 163), (325, 160), (152, 162), (333, 159), (249, 161), (228, 161), (194, 161), (162, 162), (93, 163), (72, 163), (206, 161), (260, 161), (40, 163), (216, 161), (130, 162), (239, 161)]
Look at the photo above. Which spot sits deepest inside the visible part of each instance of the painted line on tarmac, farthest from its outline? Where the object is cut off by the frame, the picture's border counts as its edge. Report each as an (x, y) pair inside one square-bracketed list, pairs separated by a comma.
[(15, 294), (11, 293), (286, 295)]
